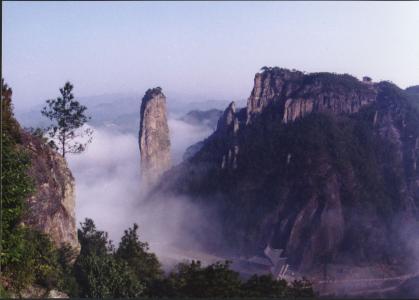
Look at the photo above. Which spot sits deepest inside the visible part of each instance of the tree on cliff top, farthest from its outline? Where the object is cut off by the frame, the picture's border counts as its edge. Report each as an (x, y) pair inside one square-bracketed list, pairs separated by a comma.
[(68, 117)]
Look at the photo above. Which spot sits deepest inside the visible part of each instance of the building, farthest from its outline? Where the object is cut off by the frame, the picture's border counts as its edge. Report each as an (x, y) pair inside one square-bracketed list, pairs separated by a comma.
[(272, 262)]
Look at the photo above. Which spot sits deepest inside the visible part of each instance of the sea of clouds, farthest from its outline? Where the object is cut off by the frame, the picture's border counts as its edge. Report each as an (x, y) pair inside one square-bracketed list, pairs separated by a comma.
[(108, 188)]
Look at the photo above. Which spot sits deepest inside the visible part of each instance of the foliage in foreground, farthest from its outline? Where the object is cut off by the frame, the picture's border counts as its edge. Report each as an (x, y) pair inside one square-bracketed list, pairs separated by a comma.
[(98, 271), (132, 271), (27, 257), (218, 280)]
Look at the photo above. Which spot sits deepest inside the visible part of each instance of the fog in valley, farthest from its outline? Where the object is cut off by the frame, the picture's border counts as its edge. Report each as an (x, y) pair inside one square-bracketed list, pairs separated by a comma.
[(107, 177)]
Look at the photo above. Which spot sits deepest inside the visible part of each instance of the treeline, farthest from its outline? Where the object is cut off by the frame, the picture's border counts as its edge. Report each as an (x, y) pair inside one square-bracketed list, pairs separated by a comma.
[(131, 271)]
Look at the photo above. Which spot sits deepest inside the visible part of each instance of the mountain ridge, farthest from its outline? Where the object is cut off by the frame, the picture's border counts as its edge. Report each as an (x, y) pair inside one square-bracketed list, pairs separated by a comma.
[(311, 184)]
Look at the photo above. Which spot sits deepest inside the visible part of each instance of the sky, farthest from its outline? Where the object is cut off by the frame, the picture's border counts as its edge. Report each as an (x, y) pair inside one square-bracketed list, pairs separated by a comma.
[(210, 50)]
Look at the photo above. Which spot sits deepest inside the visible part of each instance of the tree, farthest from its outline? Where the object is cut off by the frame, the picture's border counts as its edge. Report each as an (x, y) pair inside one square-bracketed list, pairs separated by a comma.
[(68, 117), (98, 272), (265, 68), (301, 288), (66, 258), (192, 280), (8, 123), (144, 264), (264, 286), (92, 241), (103, 276), (16, 186)]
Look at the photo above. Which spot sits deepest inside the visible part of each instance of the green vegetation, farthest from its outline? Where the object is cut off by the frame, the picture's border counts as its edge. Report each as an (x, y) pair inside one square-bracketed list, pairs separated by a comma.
[(132, 271), (275, 70), (143, 264), (218, 280), (299, 159), (10, 127), (193, 280), (266, 286), (16, 186), (329, 81), (27, 256), (150, 93), (68, 117), (98, 271), (39, 263), (333, 82), (37, 132)]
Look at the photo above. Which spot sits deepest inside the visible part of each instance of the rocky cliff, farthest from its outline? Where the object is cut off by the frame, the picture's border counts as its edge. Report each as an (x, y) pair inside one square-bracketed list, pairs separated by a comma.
[(51, 209), (154, 137), (296, 94), (321, 165)]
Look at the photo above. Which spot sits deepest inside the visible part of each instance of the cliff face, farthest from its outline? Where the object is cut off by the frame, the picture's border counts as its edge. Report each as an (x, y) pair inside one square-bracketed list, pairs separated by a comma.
[(51, 209), (154, 137), (321, 165), (296, 94), (227, 127)]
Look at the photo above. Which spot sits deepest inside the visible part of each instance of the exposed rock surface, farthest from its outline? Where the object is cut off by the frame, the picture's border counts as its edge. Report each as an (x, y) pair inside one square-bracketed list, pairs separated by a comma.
[(228, 122), (39, 292), (154, 137), (271, 87), (51, 209), (227, 127), (321, 165), (296, 94)]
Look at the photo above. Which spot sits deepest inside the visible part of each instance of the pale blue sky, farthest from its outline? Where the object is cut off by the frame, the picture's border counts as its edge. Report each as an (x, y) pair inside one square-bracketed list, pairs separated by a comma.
[(210, 49)]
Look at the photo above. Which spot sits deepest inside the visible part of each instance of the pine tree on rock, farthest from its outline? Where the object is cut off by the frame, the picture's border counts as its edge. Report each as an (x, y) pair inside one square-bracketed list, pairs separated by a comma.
[(68, 117)]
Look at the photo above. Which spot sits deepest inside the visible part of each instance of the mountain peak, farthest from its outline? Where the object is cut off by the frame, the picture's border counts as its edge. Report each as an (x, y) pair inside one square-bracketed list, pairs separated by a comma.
[(154, 138)]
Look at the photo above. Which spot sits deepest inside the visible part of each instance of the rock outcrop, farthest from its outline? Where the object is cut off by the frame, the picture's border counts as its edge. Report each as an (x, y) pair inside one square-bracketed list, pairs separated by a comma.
[(271, 87), (51, 209), (154, 137), (228, 122), (227, 128), (321, 165), (296, 94), (38, 292)]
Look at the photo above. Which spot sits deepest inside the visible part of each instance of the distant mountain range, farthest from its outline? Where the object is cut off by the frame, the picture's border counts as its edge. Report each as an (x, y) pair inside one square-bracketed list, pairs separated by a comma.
[(122, 112)]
